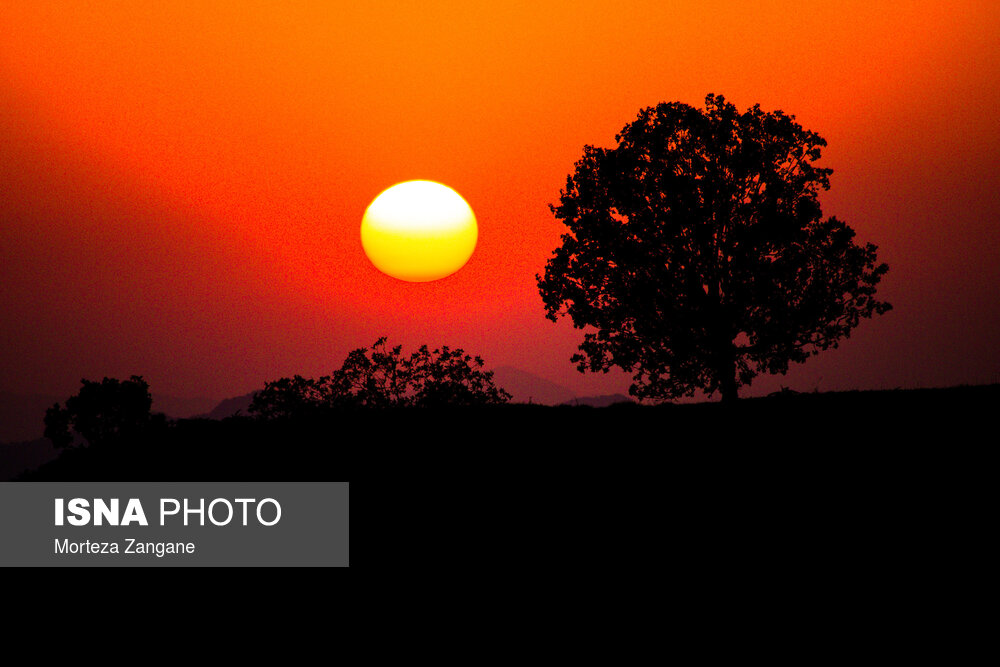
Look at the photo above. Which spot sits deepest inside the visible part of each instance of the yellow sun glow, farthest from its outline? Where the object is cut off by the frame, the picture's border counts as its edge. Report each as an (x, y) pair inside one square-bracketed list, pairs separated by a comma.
[(419, 231)]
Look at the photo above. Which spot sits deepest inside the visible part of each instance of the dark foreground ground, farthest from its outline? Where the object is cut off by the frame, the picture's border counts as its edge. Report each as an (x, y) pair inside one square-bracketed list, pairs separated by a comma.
[(822, 433), (882, 481)]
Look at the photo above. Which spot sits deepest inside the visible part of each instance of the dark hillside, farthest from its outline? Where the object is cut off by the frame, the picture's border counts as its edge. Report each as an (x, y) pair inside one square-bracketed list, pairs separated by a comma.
[(519, 441), (849, 487)]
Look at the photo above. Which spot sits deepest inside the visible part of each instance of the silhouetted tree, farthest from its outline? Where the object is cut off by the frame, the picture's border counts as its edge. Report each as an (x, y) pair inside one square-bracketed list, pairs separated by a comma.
[(291, 396), (698, 255), (382, 376), (451, 377), (101, 412), (376, 377)]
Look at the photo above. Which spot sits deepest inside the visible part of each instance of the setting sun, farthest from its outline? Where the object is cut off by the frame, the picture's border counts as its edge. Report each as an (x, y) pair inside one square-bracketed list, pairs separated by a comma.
[(419, 231)]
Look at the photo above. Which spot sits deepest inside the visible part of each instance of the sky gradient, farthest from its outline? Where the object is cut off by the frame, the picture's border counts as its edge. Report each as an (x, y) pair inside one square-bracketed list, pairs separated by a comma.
[(182, 185)]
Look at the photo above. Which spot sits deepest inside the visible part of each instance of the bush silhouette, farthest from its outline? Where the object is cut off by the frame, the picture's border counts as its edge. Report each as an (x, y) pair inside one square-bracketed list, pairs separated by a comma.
[(105, 412), (383, 377), (697, 253)]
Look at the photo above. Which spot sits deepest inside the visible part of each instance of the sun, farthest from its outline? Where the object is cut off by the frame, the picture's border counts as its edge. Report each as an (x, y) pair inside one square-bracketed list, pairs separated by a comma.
[(419, 231)]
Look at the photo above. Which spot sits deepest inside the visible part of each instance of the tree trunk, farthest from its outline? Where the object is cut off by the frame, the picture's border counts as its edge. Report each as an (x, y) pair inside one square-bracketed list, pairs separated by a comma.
[(725, 351), (729, 389), (728, 386)]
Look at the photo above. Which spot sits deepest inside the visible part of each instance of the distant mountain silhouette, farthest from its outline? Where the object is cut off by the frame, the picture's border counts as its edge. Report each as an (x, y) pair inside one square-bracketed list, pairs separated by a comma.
[(179, 407), (22, 416), (602, 401), (523, 386), (229, 407), (527, 387)]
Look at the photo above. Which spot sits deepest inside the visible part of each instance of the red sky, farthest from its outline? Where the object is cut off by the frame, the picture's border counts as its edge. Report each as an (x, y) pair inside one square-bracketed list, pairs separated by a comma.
[(182, 183)]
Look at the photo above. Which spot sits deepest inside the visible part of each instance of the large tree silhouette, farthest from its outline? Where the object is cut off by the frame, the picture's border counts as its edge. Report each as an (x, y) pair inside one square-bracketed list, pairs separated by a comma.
[(697, 256)]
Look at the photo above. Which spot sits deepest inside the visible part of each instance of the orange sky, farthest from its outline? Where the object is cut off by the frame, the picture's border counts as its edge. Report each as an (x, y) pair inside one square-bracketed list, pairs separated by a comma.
[(181, 186)]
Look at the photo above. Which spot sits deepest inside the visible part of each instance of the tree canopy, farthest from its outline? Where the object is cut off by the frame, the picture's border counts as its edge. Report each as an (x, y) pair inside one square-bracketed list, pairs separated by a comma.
[(697, 255), (104, 412), (382, 376)]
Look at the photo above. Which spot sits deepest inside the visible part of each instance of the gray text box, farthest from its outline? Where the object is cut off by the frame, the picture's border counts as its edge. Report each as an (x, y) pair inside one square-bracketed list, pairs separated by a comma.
[(313, 529)]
